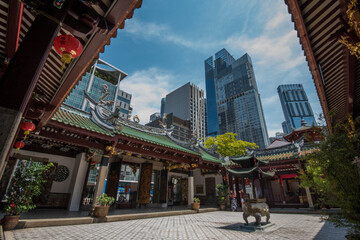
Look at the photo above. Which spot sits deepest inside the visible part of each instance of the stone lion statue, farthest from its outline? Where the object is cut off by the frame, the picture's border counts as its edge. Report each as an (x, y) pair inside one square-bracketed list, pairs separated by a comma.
[(257, 208)]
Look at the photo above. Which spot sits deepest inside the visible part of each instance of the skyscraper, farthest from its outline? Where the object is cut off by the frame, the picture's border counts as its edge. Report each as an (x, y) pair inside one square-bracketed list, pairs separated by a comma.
[(188, 103), (233, 100), (296, 106), (162, 108), (102, 75)]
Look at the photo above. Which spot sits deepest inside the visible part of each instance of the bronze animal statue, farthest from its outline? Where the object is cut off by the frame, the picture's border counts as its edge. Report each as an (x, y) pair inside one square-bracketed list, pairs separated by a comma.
[(256, 208)]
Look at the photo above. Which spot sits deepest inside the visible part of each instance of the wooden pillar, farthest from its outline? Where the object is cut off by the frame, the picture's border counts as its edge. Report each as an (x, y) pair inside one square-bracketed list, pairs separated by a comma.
[(112, 183), (282, 192), (262, 187), (253, 187), (244, 186), (145, 183), (163, 186), (238, 197), (19, 79)]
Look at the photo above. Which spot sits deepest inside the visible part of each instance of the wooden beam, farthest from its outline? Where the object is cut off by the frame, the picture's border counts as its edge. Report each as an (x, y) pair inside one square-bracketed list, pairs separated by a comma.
[(349, 81), (71, 140), (80, 131), (19, 79), (169, 150), (117, 15), (49, 151), (143, 152), (13, 28), (208, 167)]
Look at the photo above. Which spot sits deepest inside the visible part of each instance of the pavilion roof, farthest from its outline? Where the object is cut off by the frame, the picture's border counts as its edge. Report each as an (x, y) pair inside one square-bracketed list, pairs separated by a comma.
[(286, 155), (82, 120)]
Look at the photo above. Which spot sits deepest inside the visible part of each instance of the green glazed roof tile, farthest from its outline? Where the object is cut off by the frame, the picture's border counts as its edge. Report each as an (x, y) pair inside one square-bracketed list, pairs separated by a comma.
[(161, 140), (77, 120), (210, 158)]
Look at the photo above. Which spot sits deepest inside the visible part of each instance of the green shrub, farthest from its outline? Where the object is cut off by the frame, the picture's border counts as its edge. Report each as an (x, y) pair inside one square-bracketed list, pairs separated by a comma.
[(105, 200), (27, 183)]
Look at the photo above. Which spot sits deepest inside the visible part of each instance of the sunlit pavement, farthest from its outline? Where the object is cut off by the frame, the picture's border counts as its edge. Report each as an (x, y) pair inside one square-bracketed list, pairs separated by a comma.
[(213, 225)]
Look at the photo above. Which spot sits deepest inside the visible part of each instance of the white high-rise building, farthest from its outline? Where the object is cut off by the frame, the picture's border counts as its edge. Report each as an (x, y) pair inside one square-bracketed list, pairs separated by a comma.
[(188, 103)]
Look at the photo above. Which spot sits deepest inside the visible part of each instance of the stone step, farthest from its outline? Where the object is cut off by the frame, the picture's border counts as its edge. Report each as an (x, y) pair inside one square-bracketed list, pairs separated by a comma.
[(46, 222)]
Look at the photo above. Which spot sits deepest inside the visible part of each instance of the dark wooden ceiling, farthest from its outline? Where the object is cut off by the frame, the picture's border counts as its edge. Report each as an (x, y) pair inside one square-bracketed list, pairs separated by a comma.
[(335, 72)]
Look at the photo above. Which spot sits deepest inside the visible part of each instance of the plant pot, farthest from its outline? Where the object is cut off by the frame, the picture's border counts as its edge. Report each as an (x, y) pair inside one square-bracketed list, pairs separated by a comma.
[(10, 222), (101, 211), (195, 205), (222, 207)]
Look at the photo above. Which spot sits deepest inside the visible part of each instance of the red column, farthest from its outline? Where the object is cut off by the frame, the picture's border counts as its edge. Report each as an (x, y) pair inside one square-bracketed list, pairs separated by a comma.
[(238, 197)]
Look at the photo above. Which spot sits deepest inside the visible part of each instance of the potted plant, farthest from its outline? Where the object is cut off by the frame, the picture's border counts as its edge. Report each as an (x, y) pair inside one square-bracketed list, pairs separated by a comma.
[(25, 185), (196, 204), (222, 195), (103, 204)]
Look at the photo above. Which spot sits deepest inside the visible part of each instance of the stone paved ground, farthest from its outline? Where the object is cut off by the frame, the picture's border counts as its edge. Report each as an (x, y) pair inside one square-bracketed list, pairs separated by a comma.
[(212, 225)]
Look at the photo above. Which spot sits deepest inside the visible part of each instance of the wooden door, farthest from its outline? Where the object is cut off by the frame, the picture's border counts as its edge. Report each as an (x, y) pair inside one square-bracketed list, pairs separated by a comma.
[(210, 190)]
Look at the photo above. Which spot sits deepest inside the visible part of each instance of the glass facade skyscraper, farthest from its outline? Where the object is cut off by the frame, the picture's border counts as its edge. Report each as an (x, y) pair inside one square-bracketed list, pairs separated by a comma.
[(296, 106), (211, 109), (232, 85)]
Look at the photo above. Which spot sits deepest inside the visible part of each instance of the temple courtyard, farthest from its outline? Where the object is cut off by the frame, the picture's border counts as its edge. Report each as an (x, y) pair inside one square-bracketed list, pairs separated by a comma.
[(212, 225)]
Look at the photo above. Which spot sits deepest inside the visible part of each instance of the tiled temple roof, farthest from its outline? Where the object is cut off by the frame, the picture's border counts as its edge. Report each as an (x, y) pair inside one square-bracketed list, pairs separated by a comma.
[(78, 120), (287, 155), (82, 120)]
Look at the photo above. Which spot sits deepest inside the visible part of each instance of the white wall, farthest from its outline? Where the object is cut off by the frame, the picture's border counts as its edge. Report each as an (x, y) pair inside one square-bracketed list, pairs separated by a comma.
[(200, 180), (57, 187), (77, 181)]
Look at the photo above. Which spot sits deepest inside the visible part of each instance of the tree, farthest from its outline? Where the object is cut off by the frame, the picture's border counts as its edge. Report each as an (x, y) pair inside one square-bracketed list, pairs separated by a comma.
[(333, 173), (227, 145)]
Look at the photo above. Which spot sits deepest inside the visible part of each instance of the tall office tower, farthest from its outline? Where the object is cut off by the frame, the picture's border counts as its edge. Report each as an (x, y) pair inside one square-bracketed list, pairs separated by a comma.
[(233, 100), (187, 103), (162, 108), (102, 78), (295, 106)]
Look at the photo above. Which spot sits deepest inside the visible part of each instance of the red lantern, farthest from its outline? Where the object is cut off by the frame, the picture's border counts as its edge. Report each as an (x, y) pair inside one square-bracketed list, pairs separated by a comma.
[(27, 127), (19, 144), (68, 47)]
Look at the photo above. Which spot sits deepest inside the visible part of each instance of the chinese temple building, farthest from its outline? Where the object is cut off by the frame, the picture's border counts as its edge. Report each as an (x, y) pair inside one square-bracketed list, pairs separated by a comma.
[(91, 156), (271, 173)]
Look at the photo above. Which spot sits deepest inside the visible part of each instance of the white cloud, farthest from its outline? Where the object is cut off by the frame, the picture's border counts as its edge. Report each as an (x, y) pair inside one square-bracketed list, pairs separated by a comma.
[(269, 50), (162, 32), (270, 100), (273, 131), (147, 87), (277, 21)]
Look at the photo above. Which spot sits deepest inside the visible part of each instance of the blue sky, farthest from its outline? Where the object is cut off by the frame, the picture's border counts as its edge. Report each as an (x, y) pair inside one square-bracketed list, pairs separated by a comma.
[(166, 42)]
